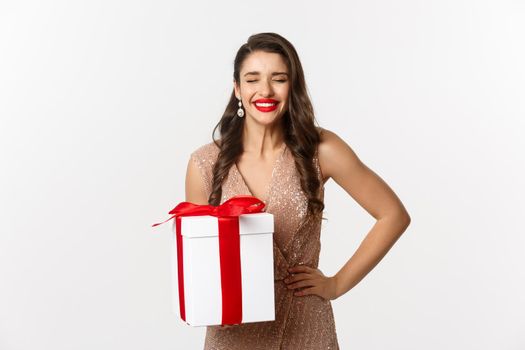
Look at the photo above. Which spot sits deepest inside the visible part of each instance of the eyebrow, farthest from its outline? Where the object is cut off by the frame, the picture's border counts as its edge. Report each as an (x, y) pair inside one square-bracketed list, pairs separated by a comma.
[(274, 73)]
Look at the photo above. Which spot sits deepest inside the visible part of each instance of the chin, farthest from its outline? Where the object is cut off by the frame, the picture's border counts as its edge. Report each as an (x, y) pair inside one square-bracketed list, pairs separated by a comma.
[(263, 118), (266, 120)]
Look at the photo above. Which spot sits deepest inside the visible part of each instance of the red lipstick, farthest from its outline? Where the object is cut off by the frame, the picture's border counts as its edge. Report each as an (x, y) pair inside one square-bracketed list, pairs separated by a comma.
[(269, 104)]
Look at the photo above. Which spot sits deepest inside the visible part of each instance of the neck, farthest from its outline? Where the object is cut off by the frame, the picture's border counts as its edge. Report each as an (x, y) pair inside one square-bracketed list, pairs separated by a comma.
[(262, 140)]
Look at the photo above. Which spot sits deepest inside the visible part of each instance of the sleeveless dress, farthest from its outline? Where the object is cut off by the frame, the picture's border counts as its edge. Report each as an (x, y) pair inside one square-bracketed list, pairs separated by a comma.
[(301, 322)]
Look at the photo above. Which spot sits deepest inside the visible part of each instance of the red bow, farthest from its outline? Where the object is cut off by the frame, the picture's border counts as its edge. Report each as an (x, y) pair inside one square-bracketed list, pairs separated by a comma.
[(235, 206), (229, 249)]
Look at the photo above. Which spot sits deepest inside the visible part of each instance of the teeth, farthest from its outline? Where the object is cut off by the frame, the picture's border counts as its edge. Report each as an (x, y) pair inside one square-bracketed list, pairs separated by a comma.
[(265, 104)]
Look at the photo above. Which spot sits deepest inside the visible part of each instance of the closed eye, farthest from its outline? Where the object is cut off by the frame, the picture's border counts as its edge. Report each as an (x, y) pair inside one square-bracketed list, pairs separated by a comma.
[(281, 81)]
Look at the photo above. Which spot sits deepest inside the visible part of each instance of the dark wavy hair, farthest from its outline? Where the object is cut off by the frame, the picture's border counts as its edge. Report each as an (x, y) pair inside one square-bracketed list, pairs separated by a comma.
[(300, 132)]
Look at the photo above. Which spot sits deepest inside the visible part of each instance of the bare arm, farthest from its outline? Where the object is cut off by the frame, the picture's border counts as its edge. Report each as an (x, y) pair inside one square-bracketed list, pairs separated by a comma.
[(339, 162)]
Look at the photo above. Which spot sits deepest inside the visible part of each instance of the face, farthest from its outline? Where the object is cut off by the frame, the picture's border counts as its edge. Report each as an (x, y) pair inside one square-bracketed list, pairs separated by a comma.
[(264, 87)]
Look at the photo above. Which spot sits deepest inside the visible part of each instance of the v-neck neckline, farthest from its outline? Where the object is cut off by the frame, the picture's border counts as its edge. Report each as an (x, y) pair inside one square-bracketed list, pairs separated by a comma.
[(270, 182)]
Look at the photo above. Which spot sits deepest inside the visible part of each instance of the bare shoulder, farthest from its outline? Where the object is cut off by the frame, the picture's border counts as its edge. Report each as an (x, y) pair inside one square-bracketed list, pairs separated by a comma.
[(339, 161), (334, 153)]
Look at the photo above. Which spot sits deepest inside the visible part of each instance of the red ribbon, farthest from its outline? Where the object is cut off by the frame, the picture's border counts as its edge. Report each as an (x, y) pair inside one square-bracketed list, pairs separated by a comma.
[(229, 249)]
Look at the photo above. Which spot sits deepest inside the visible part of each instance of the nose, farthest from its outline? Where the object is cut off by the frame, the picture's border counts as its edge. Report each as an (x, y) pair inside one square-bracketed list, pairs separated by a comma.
[(266, 89)]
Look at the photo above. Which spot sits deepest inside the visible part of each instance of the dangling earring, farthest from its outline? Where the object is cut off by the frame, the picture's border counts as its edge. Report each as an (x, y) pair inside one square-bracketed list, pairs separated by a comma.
[(240, 111)]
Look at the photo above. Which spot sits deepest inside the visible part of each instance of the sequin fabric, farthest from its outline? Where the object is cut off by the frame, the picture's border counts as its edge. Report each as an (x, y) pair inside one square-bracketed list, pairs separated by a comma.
[(301, 322)]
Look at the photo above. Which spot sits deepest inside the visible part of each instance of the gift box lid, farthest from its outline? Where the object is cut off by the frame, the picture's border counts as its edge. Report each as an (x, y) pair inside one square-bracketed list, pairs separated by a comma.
[(207, 225)]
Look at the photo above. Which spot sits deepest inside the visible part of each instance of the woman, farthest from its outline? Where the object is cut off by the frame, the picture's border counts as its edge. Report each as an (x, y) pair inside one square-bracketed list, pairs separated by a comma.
[(269, 147)]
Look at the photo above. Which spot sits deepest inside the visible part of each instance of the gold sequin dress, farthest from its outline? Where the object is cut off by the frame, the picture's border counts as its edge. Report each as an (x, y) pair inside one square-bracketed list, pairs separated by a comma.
[(301, 322)]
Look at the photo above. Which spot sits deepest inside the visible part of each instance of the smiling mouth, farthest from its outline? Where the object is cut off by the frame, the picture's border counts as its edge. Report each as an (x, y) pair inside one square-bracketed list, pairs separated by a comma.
[(266, 106)]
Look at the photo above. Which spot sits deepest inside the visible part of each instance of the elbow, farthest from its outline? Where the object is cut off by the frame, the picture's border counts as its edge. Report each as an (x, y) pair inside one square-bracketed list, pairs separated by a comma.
[(404, 220), (400, 219)]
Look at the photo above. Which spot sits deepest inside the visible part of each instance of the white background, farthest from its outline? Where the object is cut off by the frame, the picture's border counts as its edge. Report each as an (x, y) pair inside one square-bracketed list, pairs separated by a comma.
[(101, 103)]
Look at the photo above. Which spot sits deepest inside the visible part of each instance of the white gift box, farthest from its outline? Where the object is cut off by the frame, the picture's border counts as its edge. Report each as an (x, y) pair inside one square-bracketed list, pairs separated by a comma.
[(202, 269)]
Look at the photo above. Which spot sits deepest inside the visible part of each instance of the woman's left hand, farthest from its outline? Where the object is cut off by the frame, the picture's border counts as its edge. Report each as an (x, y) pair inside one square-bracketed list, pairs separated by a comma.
[(313, 281)]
